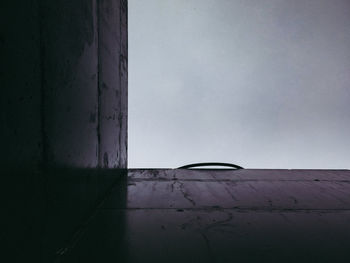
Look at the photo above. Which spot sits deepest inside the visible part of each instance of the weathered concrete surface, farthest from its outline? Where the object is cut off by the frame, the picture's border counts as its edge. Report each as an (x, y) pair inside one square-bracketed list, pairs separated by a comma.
[(51, 120), (20, 100), (239, 189), (112, 23), (222, 216), (64, 84), (70, 73)]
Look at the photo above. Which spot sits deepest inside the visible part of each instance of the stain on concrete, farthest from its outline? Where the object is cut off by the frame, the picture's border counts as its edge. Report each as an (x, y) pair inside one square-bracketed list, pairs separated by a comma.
[(105, 160)]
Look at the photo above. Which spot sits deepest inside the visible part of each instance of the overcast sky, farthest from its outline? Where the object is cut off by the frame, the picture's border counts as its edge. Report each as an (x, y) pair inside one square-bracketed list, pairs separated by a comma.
[(262, 84)]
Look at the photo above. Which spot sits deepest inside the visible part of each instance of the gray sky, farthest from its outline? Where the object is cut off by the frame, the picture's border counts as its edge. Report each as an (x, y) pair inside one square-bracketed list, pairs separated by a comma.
[(263, 84)]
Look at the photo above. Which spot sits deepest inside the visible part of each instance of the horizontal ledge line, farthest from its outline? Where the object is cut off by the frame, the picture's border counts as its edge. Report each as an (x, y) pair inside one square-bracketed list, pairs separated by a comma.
[(233, 180), (320, 210)]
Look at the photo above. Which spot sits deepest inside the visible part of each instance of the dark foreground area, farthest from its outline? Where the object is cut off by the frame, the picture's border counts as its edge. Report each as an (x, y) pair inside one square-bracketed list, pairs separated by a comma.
[(179, 216)]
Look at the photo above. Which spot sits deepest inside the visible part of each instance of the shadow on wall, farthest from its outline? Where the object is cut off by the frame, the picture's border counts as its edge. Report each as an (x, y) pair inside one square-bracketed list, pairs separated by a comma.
[(45, 213)]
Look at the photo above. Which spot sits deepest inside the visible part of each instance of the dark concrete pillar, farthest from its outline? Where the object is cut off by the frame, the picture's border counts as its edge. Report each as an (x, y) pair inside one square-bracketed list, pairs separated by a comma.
[(64, 99), (112, 50), (63, 105), (70, 80)]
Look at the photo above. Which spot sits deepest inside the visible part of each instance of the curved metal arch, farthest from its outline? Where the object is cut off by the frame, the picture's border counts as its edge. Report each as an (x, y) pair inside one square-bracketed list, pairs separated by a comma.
[(210, 164)]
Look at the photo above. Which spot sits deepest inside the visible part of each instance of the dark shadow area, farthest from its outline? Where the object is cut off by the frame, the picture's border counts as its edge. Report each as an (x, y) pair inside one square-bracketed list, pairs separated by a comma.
[(105, 238), (46, 213)]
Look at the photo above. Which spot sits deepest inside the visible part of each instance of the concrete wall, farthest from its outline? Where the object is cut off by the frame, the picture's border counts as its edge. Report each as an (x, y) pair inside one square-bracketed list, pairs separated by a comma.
[(113, 83), (64, 102), (63, 106), (70, 69), (20, 78)]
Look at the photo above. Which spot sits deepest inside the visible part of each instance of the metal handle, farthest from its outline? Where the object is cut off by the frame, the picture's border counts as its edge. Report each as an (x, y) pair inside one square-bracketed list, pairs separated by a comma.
[(210, 164)]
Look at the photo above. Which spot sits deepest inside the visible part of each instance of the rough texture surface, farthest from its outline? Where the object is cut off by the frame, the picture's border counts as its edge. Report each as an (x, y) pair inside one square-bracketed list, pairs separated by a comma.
[(85, 215), (64, 76), (112, 23), (222, 216)]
